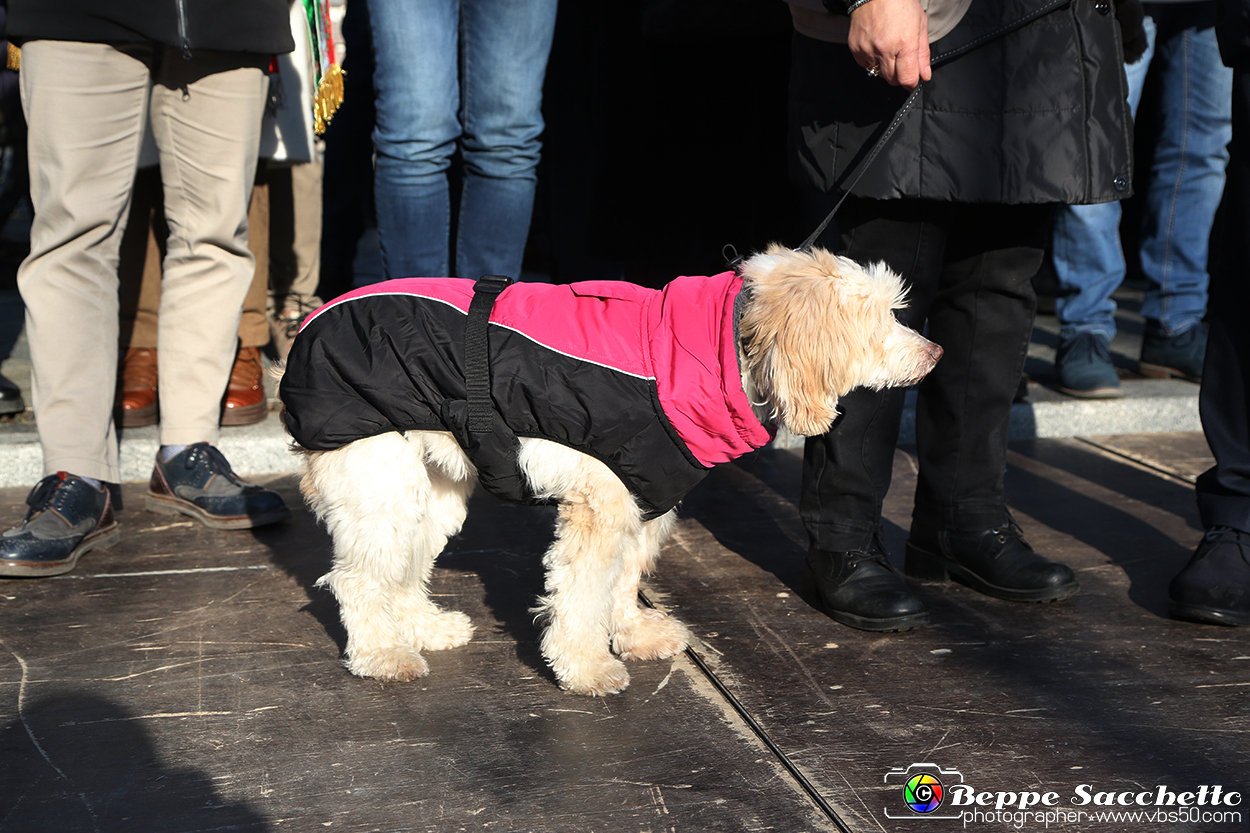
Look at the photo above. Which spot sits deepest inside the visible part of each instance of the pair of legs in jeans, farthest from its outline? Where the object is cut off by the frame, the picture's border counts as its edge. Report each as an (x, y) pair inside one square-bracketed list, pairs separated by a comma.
[(462, 75), (1186, 180), (969, 272)]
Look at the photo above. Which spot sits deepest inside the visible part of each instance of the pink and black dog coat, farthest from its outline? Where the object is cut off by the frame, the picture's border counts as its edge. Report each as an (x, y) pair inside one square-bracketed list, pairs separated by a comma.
[(645, 380)]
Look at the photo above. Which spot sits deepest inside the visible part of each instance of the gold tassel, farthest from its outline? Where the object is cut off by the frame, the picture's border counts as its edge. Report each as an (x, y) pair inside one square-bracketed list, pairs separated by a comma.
[(329, 97), (14, 58)]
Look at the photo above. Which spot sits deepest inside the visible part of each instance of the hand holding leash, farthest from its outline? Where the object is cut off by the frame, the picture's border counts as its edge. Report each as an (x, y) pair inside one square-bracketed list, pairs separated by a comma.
[(890, 39)]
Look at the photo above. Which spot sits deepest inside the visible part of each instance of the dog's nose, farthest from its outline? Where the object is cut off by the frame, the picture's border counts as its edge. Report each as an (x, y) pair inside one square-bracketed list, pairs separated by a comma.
[(935, 352)]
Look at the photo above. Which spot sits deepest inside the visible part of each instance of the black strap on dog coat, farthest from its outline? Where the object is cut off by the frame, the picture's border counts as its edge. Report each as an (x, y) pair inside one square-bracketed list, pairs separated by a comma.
[(477, 352), (474, 421)]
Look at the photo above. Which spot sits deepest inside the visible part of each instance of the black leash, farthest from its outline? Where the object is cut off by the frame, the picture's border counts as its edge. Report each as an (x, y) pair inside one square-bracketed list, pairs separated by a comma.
[(863, 166), (934, 62)]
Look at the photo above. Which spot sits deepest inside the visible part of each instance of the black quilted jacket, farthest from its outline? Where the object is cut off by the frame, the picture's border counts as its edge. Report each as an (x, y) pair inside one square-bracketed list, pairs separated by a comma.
[(224, 25), (1037, 116)]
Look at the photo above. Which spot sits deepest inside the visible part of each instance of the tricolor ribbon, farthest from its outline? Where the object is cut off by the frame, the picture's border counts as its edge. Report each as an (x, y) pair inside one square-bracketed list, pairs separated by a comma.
[(327, 74)]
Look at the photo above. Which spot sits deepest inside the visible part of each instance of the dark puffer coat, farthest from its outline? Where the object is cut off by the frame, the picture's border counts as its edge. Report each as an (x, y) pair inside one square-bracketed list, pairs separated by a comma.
[(261, 26), (1037, 116)]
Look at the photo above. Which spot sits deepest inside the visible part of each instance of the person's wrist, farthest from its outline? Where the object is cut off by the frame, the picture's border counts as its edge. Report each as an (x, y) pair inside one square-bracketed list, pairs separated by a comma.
[(852, 5)]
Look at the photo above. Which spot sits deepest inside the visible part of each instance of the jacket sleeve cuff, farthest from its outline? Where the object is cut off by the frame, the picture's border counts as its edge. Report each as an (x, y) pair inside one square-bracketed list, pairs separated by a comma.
[(837, 6)]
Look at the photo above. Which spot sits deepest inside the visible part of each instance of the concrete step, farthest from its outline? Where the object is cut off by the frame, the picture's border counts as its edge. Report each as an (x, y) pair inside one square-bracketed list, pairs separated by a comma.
[(1148, 405)]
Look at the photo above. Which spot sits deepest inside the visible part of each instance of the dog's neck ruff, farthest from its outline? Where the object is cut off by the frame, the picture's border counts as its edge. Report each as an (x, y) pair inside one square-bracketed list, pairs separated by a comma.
[(763, 409)]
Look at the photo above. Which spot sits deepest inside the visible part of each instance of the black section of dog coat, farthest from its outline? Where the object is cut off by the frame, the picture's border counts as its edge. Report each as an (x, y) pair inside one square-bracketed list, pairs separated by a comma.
[(397, 364)]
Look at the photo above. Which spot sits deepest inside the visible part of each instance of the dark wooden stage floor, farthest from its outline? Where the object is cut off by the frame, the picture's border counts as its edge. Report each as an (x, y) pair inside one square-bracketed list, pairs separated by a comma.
[(189, 680)]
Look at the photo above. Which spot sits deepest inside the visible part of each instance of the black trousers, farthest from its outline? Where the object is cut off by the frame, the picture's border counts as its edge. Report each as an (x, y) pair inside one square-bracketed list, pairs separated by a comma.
[(1224, 400), (969, 270)]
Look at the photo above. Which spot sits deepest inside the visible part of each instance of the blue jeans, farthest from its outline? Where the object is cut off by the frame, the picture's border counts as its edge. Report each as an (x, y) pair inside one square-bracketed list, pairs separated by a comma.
[(454, 75), (1185, 183)]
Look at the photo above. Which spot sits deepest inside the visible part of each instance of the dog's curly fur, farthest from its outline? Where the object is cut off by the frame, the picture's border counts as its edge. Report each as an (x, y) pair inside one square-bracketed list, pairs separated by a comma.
[(813, 327)]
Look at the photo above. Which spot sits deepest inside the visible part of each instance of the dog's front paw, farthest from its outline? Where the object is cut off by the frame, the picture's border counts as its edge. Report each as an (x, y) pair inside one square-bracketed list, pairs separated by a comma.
[(400, 663), (652, 635), (448, 629), (597, 680)]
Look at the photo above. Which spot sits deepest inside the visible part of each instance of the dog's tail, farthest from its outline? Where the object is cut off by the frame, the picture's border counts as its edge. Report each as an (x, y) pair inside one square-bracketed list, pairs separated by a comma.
[(276, 371)]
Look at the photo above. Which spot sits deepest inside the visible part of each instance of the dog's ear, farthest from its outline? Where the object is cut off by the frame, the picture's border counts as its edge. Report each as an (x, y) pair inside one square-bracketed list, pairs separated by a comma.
[(809, 417), (787, 340), (802, 388)]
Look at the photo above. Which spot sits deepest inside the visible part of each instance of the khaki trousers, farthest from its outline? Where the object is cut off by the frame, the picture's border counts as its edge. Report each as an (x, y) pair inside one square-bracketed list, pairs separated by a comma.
[(86, 105), (284, 223), (142, 253)]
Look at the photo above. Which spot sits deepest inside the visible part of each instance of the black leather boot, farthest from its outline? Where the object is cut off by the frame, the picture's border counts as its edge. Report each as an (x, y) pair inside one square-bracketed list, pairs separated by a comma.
[(996, 562), (862, 590), (1214, 587)]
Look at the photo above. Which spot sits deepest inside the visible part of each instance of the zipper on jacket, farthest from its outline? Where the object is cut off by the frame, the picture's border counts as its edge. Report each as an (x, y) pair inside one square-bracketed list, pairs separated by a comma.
[(183, 37)]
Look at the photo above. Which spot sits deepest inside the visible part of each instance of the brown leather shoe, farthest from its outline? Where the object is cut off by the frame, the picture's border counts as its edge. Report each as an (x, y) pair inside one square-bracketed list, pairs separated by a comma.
[(136, 388), (245, 397)]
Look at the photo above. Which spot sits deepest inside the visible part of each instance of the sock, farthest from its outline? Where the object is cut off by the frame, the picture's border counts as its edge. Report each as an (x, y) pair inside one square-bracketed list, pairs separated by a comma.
[(169, 452)]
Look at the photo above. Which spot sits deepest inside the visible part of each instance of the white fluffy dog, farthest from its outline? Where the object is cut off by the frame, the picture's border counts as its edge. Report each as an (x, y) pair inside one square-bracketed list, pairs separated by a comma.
[(807, 327)]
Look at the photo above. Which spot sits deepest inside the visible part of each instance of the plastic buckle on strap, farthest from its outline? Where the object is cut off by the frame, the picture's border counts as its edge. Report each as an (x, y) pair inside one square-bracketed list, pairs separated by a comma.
[(494, 284)]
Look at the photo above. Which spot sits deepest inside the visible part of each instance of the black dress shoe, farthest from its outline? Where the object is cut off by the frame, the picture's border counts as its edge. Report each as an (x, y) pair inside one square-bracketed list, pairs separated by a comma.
[(996, 562), (1214, 587), (10, 397), (862, 590)]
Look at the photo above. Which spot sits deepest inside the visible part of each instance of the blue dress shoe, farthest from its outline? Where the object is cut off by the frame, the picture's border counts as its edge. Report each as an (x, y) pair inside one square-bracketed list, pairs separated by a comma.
[(1214, 587), (1084, 368), (1180, 355), (67, 517), (200, 483)]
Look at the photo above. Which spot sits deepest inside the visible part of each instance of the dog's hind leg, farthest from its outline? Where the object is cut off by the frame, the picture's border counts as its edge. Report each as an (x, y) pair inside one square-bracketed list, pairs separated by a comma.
[(643, 632), (597, 518), (430, 627), (389, 511)]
